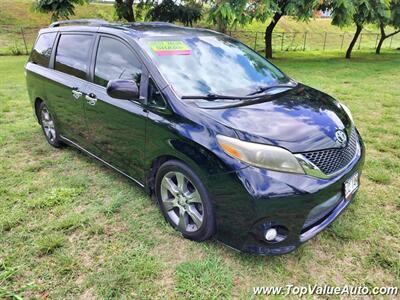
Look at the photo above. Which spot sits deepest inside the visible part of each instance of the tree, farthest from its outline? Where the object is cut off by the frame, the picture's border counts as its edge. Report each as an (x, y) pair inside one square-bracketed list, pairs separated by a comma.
[(59, 9), (124, 10), (342, 11), (168, 11), (363, 14), (165, 11), (190, 12), (387, 13), (262, 9), (343, 14), (221, 15), (228, 13)]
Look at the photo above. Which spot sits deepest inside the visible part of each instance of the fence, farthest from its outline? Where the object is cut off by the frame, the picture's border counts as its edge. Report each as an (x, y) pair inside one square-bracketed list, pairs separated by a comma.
[(307, 41), (19, 40)]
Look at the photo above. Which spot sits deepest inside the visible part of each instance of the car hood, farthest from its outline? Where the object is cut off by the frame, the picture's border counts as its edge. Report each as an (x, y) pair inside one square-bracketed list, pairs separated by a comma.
[(302, 119)]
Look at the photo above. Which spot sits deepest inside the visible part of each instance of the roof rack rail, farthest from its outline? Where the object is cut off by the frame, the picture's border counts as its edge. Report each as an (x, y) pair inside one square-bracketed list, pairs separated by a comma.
[(89, 22)]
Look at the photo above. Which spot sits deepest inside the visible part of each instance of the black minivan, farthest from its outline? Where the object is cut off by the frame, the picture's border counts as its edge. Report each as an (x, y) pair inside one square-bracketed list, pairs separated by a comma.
[(229, 145)]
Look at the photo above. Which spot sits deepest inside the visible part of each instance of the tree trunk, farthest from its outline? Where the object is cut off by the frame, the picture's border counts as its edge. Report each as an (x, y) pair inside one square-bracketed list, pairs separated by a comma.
[(124, 10), (270, 29), (268, 34), (220, 24), (353, 41), (381, 40), (129, 7)]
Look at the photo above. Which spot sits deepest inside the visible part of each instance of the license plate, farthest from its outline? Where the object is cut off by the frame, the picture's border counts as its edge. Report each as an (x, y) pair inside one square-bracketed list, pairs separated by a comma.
[(350, 186)]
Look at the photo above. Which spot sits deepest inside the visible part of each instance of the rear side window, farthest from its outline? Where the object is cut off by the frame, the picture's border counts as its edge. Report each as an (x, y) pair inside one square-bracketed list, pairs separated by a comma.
[(115, 61), (73, 54), (42, 50)]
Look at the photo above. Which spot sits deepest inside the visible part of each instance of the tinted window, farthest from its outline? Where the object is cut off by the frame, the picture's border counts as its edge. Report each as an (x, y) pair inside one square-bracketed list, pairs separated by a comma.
[(213, 64), (115, 61), (154, 96), (73, 53), (42, 50)]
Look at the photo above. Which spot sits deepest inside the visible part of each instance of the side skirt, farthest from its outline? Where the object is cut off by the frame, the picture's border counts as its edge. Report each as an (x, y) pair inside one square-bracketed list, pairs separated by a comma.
[(68, 141)]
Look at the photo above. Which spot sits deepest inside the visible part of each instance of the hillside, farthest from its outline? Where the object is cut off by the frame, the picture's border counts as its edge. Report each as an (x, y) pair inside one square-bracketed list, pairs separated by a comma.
[(21, 13)]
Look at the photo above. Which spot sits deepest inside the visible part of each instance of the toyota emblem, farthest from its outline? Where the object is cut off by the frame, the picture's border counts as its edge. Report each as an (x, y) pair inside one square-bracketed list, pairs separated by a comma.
[(341, 137)]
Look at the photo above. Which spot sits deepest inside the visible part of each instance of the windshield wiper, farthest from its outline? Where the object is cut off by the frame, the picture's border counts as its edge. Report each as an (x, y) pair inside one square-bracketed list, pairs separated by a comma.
[(263, 89), (253, 95), (212, 97)]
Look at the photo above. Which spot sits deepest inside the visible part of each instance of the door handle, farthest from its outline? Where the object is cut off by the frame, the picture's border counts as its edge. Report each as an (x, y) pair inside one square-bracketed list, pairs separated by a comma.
[(91, 99), (76, 94)]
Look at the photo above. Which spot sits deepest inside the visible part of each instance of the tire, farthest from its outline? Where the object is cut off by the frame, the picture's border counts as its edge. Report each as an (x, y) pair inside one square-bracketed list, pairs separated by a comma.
[(48, 126), (184, 202)]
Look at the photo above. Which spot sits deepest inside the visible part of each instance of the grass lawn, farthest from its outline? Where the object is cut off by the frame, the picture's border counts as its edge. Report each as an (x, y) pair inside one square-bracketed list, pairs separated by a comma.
[(70, 227)]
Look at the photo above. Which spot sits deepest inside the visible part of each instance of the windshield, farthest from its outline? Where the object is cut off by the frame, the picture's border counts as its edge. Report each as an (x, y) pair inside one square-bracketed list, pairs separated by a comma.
[(204, 65)]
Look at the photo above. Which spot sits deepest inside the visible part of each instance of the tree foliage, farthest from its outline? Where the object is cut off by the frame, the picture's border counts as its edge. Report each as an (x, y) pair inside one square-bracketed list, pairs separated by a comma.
[(190, 12), (302, 10), (395, 14), (342, 11), (165, 11), (230, 13), (124, 10), (169, 11), (59, 9), (226, 14)]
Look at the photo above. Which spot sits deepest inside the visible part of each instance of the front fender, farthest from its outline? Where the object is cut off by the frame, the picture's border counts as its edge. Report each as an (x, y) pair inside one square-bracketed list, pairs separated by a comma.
[(172, 135)]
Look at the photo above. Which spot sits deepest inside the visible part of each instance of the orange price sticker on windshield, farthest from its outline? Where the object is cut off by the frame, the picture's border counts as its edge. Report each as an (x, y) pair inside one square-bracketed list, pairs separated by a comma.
[(165, 48)]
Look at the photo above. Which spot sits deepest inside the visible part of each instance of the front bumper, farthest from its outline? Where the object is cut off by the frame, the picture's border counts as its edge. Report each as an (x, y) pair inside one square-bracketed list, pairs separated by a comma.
[(250, 200)]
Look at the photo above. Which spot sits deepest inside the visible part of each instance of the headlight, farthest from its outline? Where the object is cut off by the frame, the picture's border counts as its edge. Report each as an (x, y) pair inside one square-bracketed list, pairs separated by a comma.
[(348, 112), (259, 155)]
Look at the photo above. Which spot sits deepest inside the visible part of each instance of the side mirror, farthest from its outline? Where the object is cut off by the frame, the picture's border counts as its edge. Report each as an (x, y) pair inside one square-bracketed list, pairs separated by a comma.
[(123, 89)]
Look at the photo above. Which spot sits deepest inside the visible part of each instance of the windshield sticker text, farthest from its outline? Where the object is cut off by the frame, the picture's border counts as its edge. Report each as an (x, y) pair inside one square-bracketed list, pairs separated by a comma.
[(164, 48)]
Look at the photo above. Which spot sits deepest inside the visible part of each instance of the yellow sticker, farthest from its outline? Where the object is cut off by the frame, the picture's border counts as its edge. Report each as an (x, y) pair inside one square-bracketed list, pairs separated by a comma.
[(164, 48)]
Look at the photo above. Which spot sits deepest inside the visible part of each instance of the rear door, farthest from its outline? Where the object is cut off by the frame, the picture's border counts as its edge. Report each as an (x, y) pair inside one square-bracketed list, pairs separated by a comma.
[(117, 128), (65, 90)]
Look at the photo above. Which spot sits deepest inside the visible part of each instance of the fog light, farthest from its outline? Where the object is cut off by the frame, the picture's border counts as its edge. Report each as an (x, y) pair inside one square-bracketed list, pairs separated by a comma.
[(271, 234)]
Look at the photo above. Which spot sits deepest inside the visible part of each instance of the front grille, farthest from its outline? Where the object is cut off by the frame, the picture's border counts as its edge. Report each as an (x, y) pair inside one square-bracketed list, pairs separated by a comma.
[(331, 160)]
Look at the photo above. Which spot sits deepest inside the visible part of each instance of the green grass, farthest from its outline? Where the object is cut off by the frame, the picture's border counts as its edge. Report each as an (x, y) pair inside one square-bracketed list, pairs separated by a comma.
[(72, 228), (48, 243), (208, 279)]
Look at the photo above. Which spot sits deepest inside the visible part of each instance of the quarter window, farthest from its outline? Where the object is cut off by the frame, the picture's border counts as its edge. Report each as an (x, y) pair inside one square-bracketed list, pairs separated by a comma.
[(73, 54), (155, 98), (115, 61), (42, 50)]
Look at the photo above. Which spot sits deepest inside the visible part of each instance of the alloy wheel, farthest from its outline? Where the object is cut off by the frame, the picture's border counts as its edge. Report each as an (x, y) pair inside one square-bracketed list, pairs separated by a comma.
[(182, 201), (48, 125)]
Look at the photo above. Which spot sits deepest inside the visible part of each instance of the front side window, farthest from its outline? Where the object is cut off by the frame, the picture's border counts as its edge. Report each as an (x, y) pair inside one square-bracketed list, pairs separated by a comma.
[(115, 61), (73, 53), (211, 64), (42, 50)]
